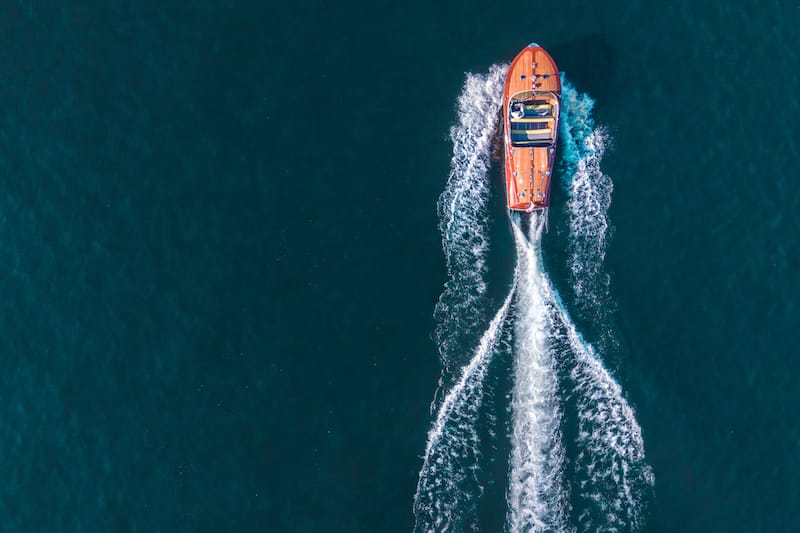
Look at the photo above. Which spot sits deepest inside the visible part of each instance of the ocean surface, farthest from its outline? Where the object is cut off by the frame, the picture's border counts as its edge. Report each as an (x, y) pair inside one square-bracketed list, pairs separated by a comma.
[(257, 272)]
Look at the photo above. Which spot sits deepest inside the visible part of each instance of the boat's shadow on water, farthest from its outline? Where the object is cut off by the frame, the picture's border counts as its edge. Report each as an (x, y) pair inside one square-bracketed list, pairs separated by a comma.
[(589, 63)]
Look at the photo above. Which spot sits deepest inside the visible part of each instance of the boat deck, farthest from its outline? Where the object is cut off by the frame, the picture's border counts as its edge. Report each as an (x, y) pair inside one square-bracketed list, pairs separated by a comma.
[(532, 85)]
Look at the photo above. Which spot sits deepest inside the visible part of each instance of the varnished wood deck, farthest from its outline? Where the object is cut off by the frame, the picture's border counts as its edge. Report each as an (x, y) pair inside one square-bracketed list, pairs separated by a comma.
[(529, 170)]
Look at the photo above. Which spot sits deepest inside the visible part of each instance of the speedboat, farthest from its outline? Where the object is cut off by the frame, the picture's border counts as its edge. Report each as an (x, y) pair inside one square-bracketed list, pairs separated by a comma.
[(531, 105)]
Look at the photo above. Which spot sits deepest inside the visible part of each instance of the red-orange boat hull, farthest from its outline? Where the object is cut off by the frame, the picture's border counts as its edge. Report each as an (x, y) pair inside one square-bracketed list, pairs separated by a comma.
[(531, 109)]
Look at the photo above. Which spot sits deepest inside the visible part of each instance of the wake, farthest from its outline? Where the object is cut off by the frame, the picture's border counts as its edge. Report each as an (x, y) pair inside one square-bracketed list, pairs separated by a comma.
[(448, 484), (451, 454), (537, 496), (463, 218), (603, 486), (614, 479), (589, 197)]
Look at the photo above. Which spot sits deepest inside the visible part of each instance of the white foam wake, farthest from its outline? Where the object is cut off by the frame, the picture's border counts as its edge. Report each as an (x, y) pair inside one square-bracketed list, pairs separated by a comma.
[(613, 476), (463, 217), (588, 202), (589, 197), (448, 485), (538, 496), (449, 468)]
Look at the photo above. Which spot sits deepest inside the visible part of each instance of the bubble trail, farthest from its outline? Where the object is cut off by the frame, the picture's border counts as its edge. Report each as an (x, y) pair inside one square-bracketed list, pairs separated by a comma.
[(451, 453), (538, 497), (448, 487), (589, 197), (614, 478), (463, 218)]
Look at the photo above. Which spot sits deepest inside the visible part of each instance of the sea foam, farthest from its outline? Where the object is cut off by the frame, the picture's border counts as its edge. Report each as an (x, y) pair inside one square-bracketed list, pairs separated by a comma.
[(463, 216), (448, 486), (538, 497)]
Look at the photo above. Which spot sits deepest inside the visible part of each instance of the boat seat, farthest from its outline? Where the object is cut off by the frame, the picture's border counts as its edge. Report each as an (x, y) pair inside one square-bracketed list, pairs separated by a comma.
[(532, 135), (523, 125)]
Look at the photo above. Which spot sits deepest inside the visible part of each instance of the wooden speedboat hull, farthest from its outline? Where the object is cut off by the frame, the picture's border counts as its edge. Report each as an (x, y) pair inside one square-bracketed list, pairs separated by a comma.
[(531, 108)]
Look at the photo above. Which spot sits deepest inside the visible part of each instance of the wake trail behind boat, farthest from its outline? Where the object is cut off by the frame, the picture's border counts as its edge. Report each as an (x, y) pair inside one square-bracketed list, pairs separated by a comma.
[(614, 478), (538, 497), (451, 453), (447, 486), (589, 197), (463, 217)]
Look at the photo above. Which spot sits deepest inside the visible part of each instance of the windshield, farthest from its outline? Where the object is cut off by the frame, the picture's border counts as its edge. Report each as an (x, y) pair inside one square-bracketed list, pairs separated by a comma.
[(532, 118)]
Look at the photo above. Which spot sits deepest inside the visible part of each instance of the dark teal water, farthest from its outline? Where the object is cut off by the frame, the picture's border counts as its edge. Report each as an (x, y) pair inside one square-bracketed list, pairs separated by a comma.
[(219, 254)]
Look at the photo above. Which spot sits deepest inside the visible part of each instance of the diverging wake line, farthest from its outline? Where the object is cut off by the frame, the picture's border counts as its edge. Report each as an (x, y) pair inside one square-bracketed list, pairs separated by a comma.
[(611, 477), (448, 486), (603, 486), (463, 217), (451, 454)]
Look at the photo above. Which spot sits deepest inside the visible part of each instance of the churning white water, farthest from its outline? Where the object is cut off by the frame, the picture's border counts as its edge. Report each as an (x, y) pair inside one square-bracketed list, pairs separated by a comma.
[(463, 217), (451, 453), (537, 495), (448, 486)]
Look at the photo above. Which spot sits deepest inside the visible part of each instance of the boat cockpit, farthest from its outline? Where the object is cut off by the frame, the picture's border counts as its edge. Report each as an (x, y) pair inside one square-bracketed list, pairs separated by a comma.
[(533, 117)]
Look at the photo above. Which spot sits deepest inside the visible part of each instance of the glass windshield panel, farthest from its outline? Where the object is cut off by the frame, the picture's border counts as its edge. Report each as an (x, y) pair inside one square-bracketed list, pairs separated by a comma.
[(532, 118)]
